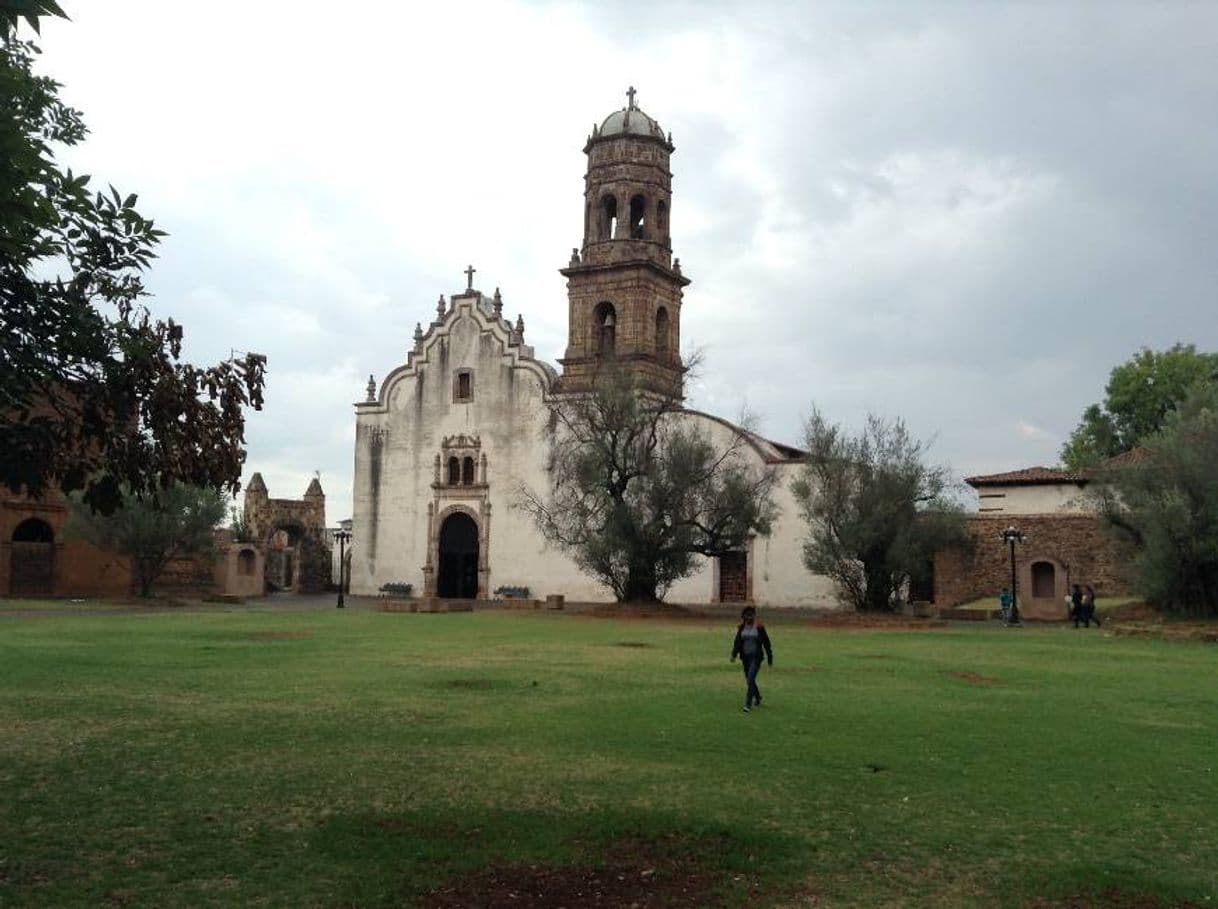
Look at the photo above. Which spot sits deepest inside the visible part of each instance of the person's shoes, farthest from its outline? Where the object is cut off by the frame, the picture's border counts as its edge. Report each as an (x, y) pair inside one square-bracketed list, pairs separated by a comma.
[(758, 700), (748, 709)]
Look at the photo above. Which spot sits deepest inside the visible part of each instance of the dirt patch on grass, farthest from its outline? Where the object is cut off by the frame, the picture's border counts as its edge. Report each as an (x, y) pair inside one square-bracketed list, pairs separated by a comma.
[(974, 678), (643, 611), (281, 635), (863, 621), (633, 874), (632, 644), (1109, 898), (470, 684)]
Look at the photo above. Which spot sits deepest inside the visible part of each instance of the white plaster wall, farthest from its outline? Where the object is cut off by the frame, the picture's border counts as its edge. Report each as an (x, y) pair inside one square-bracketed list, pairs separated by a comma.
[(399, 435), (1043, 498), (776, 561)]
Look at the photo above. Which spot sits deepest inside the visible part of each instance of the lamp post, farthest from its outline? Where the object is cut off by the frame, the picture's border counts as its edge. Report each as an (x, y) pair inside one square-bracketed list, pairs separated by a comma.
[(1011, 536), (343, 536)]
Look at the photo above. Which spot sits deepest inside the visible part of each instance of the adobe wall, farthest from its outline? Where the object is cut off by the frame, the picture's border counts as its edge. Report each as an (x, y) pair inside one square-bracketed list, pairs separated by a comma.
[(80, 568), (1075, 544)]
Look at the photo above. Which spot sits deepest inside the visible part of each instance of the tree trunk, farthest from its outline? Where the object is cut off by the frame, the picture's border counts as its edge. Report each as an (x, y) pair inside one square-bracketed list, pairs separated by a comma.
[(641, 585), (878, 595)]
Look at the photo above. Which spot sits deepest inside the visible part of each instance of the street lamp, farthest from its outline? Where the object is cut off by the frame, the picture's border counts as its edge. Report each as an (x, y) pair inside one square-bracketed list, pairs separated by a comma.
[(343, 537), (1011, 536)]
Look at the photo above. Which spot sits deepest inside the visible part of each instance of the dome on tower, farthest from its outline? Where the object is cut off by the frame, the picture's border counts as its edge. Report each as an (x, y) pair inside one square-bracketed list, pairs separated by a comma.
[(630, 121)]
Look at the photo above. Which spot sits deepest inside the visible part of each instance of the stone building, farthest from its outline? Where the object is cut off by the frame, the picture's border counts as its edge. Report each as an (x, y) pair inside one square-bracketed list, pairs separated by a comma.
[(292, 536), (447, 439), (1065, 543), (37, 558)]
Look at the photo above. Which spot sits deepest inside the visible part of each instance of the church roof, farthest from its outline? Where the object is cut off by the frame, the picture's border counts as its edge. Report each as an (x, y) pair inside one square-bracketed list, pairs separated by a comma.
[(1030, 476)]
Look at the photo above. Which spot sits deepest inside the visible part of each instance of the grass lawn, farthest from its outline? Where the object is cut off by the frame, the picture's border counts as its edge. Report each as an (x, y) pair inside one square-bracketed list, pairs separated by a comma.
[(322, 758)]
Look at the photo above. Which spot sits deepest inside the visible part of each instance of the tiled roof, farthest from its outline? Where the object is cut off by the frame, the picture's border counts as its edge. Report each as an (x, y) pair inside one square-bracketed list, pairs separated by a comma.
[(1030, 476), (1133, 456)]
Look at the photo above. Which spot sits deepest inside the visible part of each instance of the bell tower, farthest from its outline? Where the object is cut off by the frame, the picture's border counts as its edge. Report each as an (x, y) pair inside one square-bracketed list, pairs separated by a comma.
[(623, 286)]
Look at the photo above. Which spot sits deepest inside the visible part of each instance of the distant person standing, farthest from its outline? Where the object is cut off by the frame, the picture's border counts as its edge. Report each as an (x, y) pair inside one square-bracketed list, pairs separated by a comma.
[(751, 645), (1005, 602)]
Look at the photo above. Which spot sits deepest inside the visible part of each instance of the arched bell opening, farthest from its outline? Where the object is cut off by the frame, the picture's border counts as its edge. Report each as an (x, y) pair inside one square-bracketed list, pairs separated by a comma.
[(662, 333), (608, 217), (638, 217), (605, 325)]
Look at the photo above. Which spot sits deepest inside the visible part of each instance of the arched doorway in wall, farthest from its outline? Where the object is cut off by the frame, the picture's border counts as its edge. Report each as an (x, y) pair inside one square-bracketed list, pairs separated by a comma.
[(32, 559), (283, 558), (1044, 581), (458, 574)]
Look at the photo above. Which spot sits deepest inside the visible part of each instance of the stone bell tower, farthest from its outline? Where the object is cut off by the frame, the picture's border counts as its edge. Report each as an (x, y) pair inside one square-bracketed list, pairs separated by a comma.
[(623, 286)]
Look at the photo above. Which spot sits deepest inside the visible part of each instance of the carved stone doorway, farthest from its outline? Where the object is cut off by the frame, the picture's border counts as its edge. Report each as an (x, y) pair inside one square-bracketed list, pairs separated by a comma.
[(458, 574)]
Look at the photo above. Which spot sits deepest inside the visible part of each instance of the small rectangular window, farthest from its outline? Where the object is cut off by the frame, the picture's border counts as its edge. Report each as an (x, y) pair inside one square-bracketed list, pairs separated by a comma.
[(463, 386)]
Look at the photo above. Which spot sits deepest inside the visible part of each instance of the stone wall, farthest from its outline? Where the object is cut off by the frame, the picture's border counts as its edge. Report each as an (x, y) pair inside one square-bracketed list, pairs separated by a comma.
[(1076, 545)]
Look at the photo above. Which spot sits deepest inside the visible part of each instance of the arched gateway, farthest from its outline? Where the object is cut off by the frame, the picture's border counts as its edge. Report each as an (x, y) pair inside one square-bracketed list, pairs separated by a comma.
[(458, 575)]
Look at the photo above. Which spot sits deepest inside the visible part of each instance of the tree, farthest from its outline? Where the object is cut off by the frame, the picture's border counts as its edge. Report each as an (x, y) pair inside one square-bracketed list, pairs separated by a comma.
[(1164, 507), (171, 522), (1141, 392), (638, 491), (876, 511), (94, 396)]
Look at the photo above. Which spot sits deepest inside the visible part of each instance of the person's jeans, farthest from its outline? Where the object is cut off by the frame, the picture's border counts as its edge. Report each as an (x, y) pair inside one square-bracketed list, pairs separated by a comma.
[(751, 668)]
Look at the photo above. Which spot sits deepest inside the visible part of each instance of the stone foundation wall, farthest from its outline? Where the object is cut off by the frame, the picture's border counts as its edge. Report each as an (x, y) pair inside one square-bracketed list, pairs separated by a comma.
[(1076, 545)]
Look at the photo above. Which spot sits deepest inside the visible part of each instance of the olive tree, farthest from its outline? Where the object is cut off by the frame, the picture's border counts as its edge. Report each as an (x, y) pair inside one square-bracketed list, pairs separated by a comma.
[(638, 491), (876, 510), (1163, 507)]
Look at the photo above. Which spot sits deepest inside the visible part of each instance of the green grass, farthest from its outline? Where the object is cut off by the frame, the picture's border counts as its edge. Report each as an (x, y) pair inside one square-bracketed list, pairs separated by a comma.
[(244, 757)]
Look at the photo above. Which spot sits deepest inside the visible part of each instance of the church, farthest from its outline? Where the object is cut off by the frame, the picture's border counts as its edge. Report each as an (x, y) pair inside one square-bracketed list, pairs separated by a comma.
[(447, 440)]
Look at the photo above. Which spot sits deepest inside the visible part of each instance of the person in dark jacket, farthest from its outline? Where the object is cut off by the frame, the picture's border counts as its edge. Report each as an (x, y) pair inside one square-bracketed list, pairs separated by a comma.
[(1089, 615), (751, 644), (1076, 604)]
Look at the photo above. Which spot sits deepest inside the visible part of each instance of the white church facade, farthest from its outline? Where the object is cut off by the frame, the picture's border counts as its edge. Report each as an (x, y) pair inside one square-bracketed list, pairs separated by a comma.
[(448, 439)]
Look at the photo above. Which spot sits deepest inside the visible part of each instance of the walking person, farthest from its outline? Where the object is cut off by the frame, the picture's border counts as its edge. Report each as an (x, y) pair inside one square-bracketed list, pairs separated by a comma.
[(1076, 604), (1005, 601), (1089, 615), (751, 645)]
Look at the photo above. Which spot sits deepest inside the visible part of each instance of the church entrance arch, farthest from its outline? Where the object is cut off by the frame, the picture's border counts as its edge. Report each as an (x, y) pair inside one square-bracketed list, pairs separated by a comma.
[(458, 574), (32, 559)]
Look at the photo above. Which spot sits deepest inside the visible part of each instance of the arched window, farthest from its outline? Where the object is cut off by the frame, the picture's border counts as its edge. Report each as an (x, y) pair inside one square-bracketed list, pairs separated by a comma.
[(467, 472), (454, 471), (1044, 580), (605, 318), (661, 220), (246, 560), (608, 225), (662, 332), (638, 218), (33, 530)]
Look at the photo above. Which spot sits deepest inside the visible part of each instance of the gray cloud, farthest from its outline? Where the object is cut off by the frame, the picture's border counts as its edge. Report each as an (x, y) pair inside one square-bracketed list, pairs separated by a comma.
[(961, 214)]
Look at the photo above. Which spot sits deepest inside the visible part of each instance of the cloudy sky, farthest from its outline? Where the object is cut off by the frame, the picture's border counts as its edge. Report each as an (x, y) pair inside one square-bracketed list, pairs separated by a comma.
[(960, 214)]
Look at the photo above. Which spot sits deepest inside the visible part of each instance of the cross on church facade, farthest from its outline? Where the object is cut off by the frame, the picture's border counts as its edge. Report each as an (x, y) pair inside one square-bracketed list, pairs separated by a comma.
[(469, 277), (630, 93)]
